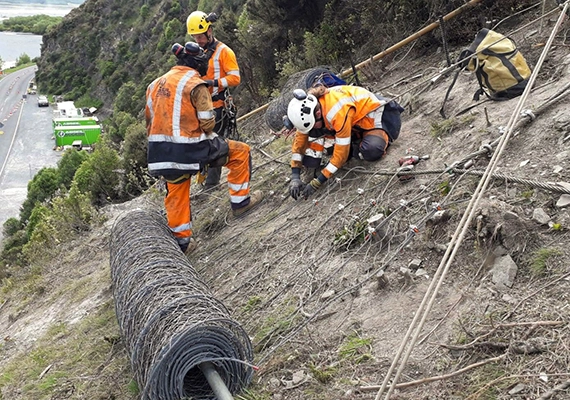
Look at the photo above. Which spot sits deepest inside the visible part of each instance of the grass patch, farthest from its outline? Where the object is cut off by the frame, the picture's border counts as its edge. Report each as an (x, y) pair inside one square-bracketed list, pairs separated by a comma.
[(439, 129), (252, 304), (539, 260), (254, 393), (527, 194), (279, 146), (17, 68), (444, 188), (323, 375), (356, 349), (275, 326), (81, 351), (352, 235)]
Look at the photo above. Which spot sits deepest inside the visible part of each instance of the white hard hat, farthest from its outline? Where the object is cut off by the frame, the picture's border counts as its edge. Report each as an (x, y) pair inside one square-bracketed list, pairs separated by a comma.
[(301, 111)]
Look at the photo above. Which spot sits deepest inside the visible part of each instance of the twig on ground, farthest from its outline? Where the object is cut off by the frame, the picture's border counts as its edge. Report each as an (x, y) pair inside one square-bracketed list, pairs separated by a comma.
[(510, 314), (559, 388)]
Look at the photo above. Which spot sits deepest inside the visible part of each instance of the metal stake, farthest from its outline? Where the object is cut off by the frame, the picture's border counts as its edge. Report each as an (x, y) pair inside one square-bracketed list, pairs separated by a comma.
[(216, 382)]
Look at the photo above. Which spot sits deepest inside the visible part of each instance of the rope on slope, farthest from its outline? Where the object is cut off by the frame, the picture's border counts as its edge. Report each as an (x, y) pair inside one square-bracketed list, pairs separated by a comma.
[(168, 318), (551, 186), (424, 309)]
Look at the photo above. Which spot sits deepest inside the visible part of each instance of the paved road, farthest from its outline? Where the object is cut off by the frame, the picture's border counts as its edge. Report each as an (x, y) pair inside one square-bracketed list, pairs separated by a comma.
[(25, 142)]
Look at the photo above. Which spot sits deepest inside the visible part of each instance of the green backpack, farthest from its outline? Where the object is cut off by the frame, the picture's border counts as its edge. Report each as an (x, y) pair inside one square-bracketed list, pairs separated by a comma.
[(500, 68)]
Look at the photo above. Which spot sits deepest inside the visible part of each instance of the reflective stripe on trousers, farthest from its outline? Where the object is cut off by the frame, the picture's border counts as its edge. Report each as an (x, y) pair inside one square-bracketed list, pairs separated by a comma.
[(239, 174), (178, 211)]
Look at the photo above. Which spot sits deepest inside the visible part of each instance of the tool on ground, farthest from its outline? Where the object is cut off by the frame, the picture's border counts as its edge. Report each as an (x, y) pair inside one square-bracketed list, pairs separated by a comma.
[(407, 164)]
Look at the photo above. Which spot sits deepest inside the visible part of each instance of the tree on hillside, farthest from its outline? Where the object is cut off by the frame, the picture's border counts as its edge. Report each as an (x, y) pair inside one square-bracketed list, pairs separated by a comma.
[(23, 59)]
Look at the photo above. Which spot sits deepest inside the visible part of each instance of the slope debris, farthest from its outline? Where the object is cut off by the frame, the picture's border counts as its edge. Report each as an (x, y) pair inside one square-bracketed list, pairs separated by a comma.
[(325, 302)]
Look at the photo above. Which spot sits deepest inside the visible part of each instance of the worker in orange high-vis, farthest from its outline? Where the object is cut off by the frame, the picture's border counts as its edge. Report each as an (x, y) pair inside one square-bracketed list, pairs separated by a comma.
[(181, 142), (223, 73), (361, 123)]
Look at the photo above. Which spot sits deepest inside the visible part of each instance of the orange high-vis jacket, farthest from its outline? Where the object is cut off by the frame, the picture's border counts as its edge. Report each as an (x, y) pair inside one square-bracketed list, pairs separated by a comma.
[(223, 69), (342, 107), (178, 131)]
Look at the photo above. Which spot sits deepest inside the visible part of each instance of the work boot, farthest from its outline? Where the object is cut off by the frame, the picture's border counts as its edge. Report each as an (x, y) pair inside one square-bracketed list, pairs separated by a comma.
[(254, 199), (192, 245)]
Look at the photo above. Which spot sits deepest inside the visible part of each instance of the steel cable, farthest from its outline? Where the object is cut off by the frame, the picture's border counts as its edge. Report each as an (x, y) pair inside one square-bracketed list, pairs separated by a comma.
[(169, 320)]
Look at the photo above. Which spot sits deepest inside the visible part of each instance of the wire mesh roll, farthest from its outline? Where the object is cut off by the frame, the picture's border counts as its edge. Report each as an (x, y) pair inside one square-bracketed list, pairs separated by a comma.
[(300, 80), (169, 320)]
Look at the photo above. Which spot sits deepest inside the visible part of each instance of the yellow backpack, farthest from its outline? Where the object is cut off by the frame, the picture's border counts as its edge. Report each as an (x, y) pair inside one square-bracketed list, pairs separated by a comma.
[(501, 69)]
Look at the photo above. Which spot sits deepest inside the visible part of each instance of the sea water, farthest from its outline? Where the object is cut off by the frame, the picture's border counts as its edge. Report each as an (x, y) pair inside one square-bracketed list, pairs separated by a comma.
[(13, 45)]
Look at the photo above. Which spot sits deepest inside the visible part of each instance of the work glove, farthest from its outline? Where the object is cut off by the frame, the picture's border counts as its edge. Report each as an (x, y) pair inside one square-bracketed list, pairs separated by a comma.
[(311, 188), (296, 186), (209, 82)]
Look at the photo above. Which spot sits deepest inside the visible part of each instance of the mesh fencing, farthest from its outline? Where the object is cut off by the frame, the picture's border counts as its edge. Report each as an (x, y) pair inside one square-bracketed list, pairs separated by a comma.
[(168, 318), (300, 80)]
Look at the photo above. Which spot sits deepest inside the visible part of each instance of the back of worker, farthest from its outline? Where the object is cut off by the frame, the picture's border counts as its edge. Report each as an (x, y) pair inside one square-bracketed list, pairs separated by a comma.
[(223, 73)]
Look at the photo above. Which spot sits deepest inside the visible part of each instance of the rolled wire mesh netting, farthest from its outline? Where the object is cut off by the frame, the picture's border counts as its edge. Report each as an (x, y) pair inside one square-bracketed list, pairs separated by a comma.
[(168, 318), (300, 80)]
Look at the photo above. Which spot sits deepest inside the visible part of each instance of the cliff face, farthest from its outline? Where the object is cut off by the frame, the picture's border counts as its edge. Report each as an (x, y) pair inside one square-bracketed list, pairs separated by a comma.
[(104, 44)]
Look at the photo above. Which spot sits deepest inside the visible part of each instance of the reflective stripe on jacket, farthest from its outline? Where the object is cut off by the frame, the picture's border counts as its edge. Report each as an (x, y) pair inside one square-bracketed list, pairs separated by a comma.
[(176, 142), (342, 107), (222, 68)]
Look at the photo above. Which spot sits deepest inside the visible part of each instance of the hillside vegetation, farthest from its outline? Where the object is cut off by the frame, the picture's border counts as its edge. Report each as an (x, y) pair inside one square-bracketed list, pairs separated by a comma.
[(325, 304), (37, 24)]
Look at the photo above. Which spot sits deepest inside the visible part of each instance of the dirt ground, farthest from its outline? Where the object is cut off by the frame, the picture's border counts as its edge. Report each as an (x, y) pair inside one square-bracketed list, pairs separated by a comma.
[(327, 305)]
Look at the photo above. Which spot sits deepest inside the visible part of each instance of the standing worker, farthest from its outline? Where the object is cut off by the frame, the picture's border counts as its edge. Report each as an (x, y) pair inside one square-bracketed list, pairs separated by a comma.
[(223, 73), (361, 123), (181, 142)]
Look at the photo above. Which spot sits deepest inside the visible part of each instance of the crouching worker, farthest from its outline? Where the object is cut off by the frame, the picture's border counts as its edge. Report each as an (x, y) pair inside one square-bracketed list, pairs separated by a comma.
[(361, 123), (181, 142)]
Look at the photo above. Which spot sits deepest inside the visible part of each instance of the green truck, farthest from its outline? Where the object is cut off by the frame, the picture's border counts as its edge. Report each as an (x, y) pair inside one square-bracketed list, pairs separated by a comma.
[(77, 136), (63, 121), (72, 128)]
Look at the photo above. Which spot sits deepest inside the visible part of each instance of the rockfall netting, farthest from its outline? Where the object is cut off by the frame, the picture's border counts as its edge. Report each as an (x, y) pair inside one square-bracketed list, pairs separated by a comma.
[(169, 320), (300, 80)]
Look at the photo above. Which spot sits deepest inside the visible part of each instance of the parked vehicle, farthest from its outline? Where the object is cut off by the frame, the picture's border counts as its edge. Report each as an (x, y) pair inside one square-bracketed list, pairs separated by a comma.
[(42, 101), (69, 135)]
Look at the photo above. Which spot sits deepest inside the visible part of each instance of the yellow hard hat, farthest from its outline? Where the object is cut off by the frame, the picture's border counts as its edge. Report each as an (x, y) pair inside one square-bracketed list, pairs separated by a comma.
[(197, 23)]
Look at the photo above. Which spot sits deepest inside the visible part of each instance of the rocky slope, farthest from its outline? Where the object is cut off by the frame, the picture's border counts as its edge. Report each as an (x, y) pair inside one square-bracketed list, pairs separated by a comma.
[(304, 279)]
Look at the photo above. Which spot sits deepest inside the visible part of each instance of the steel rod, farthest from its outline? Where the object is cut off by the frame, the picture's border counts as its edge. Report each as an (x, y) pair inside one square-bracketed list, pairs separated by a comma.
[(216, 382)]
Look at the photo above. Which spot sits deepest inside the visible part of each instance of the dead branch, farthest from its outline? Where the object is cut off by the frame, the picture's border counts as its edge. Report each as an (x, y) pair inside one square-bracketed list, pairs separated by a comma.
[(493, 383), (436, 378), (489, 345), (475, 342), (559, 388), (510, 314)]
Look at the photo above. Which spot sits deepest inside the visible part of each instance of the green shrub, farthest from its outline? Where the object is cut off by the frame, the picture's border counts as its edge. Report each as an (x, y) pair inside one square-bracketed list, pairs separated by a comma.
[(41, 188), (134, 161), (11, 226), (68, 215), (12, 251), (99, 175), (69, 164)]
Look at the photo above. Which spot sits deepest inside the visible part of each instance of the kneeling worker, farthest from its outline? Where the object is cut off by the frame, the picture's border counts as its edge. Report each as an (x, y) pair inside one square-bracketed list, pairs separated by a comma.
[(361, 123), (181, 142)]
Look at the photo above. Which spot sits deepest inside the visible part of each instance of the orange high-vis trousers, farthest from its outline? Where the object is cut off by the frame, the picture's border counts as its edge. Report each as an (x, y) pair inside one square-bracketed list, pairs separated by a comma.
[(177, 200), (178, 211), (239, 175)]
